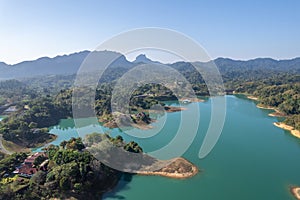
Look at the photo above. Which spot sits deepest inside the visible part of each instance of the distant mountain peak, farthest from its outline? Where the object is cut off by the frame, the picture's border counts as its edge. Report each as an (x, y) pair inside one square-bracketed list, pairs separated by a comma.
[(142, 58)]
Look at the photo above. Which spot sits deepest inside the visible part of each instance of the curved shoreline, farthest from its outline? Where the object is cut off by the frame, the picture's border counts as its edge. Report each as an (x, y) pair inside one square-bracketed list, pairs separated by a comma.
[(277, 113), (176, 175), (292, 130), (282, 125), (296, 192)]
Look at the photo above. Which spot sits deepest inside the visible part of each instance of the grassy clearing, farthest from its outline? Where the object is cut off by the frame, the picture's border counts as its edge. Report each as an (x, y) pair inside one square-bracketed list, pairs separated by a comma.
[(12, 147)]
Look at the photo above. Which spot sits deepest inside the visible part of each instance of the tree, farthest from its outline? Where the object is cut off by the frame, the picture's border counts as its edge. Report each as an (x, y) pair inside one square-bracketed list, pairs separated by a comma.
[(39, 160), (63, 144), (38, 178), (133, 147), (64, 183), (33, 125), (75, 144), (78, 187)]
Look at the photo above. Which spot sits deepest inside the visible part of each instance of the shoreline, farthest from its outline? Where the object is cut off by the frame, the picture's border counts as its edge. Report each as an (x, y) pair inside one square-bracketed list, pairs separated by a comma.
[(248, 96), (165, 171), (292, 130), (192, 100), (277, 113), (296, 192), (171, 109), (252, 97), (111, 123), (265, 107), (52, 137)]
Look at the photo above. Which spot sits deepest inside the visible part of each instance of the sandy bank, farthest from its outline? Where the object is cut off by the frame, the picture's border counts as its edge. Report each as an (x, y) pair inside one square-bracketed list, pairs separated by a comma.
[(282, 125), (179, 169), (294, 132), (174, 109), (252, 98), (192, 99), (296, 192), (265, 107), (276, 114)]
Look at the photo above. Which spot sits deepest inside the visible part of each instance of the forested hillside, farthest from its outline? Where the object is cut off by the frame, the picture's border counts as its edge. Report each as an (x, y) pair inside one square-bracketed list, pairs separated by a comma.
[(42, 101)]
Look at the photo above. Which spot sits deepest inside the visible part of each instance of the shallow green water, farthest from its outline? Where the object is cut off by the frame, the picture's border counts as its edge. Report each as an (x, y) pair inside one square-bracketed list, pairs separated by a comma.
[(1, 117), (253, 159)]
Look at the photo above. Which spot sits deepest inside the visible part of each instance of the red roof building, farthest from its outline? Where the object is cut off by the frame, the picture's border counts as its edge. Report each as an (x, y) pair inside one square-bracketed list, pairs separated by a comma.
[(27, 168)]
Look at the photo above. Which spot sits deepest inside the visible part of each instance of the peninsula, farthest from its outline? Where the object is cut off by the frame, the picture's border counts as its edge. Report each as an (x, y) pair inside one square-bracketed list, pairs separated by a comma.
[(180, 168)]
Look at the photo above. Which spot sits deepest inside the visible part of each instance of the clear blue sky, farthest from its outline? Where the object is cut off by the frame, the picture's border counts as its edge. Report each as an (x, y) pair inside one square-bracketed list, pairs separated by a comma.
[(240, 29)]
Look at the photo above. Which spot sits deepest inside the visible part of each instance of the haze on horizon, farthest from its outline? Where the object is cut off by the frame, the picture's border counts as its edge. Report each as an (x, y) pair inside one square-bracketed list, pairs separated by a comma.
[(239, 30)]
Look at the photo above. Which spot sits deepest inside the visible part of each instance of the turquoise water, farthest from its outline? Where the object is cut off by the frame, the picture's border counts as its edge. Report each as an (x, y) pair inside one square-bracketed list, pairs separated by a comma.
[(1, 117), (253, 159)]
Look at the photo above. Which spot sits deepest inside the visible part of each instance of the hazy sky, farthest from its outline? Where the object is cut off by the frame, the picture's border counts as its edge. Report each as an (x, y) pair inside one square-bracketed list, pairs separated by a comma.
[(240, 29)]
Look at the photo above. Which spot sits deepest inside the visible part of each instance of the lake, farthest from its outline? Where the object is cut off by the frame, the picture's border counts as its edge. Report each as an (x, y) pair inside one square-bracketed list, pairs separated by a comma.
[(253, 159)]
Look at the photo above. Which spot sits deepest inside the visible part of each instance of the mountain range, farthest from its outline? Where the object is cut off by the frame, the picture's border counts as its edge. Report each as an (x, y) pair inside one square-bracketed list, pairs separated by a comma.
[(69, 64)]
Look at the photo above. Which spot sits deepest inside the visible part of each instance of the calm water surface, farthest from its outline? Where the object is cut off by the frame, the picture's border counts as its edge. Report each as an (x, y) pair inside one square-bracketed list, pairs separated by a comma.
[(253, 159)]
